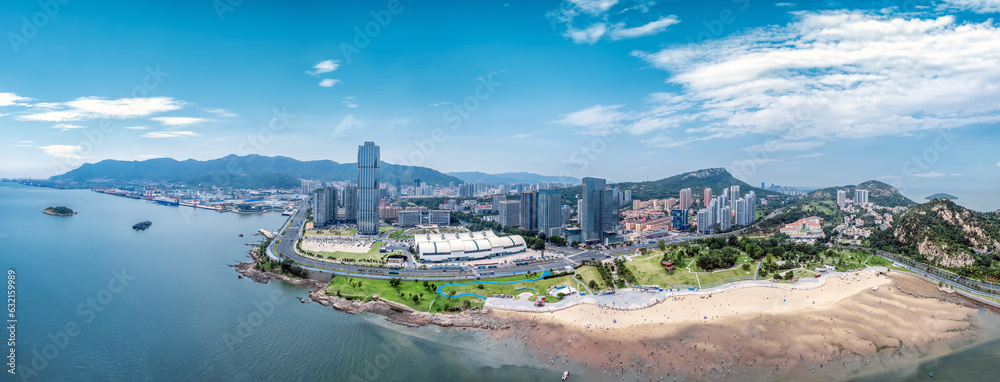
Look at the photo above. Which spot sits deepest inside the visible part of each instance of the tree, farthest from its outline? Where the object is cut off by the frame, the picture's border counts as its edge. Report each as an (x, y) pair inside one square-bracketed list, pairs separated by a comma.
[(451, 294), (746, 266), (661, 245), (541, 235), (592, 284)]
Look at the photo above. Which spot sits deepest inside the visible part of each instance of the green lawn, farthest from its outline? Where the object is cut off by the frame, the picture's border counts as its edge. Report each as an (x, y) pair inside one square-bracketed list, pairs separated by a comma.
[(590, 273), (650, 272), (541, 286), (383, 289), (878, 261), (349, 231), (400, 234), (385, 229)]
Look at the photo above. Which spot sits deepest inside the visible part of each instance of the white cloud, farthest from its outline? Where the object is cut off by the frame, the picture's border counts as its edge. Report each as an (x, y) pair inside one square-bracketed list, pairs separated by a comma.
[(169, 134), (25, 144), (348, 123), (998, 164), (840, 74), (620, 32), (149, 156), (784, 5), (889, 177), (136, 127), (222, 113), (325, 66), (597, 120), (783, 145), (813, 155), (178, 121), (594, 7), (63, 151), (754, 162), (589, 35), (442, 103), (66, 126), (349, 102), (932, 174), (8, 99), (529, 135), (93, 107), (328, 82), (978, 6), (601, 120), (956, 174)]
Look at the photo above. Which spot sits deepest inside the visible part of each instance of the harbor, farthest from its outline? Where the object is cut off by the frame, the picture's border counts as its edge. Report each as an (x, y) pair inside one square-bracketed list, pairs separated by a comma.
[(212, 201)]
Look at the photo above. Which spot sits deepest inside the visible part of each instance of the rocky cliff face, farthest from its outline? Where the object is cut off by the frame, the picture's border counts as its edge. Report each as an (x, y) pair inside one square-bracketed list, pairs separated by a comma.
[(947, 234)]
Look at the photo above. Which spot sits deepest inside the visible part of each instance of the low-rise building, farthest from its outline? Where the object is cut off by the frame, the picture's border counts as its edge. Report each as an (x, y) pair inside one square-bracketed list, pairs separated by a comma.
[(464, 246)]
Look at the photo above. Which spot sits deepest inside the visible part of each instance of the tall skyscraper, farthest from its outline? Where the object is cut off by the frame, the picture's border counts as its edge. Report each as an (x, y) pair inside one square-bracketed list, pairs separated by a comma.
[(841, 198), (726, 218), (324, 206), (590, 209), (529, 210), (368, 195), (550, 214), (610, 203), (497, 199), (685, 198), (734, 193), (708, 198), (860, 196), (679, 219)]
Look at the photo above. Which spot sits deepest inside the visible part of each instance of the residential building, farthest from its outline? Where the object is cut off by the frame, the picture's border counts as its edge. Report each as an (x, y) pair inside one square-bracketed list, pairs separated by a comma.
[(734, 193), (860, 196), (805, 229), (324, 206), (350, 198), (708, 197), (510, 213), (703, 220), (550, 211), (685, 198), (726, 219), (841, 198), (497, 199)]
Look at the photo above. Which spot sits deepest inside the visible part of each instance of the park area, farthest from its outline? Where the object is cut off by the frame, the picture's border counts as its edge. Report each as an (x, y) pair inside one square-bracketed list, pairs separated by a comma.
[(347, 231), (648, 270), (512, 285)]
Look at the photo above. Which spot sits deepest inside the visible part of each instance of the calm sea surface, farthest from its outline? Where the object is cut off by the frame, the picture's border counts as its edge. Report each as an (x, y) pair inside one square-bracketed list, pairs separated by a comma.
[(98, 301)]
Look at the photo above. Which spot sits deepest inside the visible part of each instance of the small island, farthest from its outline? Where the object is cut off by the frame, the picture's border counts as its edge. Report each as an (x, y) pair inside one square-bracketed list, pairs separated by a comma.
[(59, 211), (942, 195)]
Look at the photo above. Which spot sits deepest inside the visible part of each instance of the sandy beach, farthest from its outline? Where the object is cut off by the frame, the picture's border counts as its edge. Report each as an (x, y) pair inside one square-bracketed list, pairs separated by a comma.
[(757, 333)]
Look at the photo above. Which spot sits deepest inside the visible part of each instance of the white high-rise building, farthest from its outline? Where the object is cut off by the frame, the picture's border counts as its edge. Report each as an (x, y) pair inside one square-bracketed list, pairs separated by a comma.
[(734, 193), (841, 198), (685, 198), (368, 193), (860, 196)]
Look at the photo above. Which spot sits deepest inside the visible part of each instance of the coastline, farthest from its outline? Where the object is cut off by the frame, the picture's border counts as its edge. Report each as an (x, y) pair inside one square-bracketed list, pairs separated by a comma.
[(842, 336), (395, 313), (840, 330)]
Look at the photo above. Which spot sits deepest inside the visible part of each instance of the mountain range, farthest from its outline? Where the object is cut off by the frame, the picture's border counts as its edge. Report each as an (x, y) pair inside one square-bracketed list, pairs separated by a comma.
[(946, 234), (511, 178), (250, 171), (715, 178)]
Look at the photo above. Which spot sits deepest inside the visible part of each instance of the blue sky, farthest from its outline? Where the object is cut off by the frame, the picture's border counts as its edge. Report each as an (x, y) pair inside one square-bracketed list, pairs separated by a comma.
[(796, 93)]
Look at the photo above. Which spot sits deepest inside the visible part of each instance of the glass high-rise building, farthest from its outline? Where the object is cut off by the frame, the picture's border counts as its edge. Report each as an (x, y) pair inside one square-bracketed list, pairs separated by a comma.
[(550, 211), (368, 193)]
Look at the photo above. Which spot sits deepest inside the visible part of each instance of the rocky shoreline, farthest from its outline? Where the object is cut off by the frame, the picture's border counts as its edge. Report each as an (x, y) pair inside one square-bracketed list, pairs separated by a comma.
[(395, 313)]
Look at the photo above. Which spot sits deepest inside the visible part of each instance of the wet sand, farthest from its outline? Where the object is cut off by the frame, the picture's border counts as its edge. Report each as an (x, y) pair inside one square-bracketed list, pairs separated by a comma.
[(759, 333)]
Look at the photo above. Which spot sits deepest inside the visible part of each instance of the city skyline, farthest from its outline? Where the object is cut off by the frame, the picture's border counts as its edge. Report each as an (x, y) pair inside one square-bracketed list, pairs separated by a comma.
[(650, 91)]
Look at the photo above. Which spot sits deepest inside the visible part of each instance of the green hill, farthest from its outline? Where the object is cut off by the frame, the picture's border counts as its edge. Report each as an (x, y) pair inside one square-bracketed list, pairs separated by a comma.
[(879, 193), (944, 233), (697, 181)]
